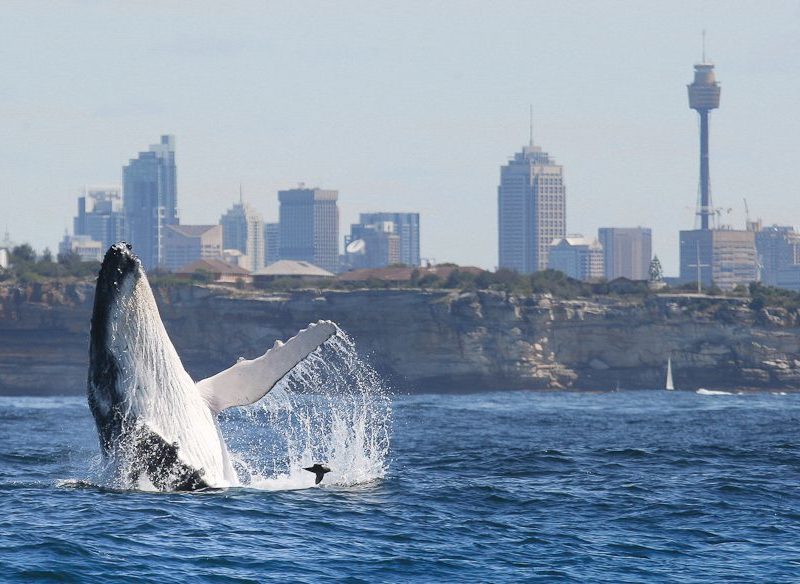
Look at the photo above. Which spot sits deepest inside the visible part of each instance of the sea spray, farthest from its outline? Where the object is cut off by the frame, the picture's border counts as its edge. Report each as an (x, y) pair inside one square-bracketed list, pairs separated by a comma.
[(333, 408)]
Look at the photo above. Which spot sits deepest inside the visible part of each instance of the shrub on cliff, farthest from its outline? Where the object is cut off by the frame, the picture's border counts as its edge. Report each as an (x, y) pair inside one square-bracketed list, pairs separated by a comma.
[(26, 268), (768, 296), (559, 285), (23, 254), (623, 287), (461, 280)]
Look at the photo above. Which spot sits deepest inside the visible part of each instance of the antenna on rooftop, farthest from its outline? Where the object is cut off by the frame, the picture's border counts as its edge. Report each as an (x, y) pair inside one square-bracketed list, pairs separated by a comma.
[(531, 134), (704, 45), (241, 197)]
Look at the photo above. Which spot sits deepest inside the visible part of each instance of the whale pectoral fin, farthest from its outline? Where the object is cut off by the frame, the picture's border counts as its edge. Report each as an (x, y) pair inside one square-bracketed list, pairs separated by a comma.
[(161, 462), (248, 381)]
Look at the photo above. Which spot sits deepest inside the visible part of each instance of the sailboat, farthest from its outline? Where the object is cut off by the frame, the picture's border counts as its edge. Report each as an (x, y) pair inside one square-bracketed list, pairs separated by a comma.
[(669, 385)]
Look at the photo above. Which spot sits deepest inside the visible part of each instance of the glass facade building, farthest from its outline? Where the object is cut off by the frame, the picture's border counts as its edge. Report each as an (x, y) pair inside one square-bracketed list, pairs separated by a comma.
[(272, 243), (405, 226), (100, 215), (309, 226), (151, 200)]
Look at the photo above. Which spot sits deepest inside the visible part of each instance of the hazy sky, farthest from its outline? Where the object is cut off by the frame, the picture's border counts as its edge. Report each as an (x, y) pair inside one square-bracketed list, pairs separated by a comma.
[(401, 106)]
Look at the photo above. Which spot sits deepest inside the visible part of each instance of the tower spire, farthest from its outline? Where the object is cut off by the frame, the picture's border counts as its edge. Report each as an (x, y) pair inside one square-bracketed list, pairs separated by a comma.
[(241, 197), (530, 142), (703, 97), (704, 45)]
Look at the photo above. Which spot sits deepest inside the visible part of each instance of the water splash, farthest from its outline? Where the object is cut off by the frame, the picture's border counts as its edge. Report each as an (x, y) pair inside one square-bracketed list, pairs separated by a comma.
[(333, 408)]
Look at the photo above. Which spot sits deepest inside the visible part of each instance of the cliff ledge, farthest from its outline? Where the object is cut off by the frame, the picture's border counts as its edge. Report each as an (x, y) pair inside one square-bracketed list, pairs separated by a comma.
[(428, 340)]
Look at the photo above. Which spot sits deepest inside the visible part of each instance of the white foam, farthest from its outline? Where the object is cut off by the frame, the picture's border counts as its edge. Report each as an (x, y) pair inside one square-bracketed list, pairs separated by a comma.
[(331, 409), (703, 391)]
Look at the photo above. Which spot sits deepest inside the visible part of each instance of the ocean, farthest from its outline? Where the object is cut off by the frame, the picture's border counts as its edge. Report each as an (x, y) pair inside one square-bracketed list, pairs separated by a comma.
[(628, 486)]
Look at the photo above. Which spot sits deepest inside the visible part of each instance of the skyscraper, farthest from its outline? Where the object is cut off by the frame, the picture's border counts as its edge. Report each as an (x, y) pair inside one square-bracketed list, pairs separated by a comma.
[(309, 226), (531, 204), (243, 229), (404, 225), (627, 252), (272, 243), (151, 200), (100, 215)]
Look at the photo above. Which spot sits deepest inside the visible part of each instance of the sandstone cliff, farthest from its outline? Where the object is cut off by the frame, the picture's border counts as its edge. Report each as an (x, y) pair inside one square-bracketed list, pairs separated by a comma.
[(428, 341)]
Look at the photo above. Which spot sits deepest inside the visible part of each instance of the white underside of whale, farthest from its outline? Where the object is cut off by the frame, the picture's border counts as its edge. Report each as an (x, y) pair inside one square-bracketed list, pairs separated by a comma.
[(160, 394)]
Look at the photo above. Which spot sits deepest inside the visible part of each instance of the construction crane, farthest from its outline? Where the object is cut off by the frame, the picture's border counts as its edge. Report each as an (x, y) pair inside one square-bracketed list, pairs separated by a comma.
[(750, 225)]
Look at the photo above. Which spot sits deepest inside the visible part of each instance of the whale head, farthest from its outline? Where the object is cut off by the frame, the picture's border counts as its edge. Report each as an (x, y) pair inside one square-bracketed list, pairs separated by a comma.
[(120, 265), (115, 284)]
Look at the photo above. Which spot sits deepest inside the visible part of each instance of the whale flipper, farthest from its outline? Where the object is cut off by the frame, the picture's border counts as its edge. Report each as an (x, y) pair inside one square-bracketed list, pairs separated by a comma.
[(250, 380)]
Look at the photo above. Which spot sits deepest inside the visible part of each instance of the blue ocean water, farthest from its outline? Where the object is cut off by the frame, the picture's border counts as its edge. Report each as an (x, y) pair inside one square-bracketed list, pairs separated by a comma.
[(519, 486)]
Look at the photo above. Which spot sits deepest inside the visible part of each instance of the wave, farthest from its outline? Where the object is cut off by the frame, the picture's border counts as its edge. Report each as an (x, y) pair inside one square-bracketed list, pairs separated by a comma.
[(704, 391)]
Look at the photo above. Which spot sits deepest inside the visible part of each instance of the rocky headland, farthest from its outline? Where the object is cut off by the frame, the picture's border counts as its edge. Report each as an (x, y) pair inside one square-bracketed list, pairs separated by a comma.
[(438, 340)]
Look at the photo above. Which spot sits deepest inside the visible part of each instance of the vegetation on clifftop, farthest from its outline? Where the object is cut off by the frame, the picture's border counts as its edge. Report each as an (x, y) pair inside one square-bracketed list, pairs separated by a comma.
[(27, 268)]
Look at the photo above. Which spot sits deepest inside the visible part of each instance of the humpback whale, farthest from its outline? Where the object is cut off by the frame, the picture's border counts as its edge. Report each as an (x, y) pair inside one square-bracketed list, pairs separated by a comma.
[(155, 424)]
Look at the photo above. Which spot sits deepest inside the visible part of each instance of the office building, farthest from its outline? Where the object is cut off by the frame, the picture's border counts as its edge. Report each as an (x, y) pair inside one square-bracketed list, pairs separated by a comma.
[(724, 257), (778, 249), (243, 230), (83, 246), (184, 244), (272, 243), (373, 245), (627, 252), (576, 256), (309, 226), (100, 215), (405, 226), (531, 203), (151, 200), (789, 278)]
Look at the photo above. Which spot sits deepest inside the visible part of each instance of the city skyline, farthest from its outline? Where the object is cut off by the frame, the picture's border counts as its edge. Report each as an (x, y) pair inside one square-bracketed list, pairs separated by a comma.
[(626, 138)]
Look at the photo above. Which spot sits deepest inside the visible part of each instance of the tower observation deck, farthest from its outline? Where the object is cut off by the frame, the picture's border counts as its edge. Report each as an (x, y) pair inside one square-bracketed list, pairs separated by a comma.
[(704, 96)]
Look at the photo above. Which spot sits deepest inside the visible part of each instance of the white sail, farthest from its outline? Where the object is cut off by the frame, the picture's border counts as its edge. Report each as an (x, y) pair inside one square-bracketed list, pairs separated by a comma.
[(669, 374)]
